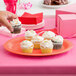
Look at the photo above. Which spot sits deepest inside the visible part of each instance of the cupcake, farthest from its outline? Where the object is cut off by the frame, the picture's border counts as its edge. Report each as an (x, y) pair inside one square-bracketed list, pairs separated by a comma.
[(27, 46), (46, 46), (36, 41), (16, 24), (48, 35), (57, 42), (29, 34)]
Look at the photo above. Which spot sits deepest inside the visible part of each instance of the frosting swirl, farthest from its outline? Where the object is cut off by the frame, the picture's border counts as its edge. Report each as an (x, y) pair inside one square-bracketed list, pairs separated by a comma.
[(26, 44), (48, 34), (46, 44), (15, 22), (58, 38), (30, 33), (37, 39)]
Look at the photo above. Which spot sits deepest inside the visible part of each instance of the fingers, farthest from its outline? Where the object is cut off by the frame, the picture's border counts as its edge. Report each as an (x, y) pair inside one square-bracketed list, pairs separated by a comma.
[(7, 24), (12, 16), (5, 16)]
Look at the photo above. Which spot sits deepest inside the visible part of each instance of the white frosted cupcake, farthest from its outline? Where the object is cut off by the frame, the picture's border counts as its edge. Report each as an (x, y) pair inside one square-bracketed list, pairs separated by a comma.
[(29, 34), (57, 42), (48, 35), (16, 24), (46, 46), (27, 46), (36, 41)]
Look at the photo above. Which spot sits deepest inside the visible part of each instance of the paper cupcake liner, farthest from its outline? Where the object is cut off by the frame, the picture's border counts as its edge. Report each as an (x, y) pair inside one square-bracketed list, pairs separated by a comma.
[(16, 29), (46, 50), (28, 38), (36, 45), (27, 50), (57, 45)]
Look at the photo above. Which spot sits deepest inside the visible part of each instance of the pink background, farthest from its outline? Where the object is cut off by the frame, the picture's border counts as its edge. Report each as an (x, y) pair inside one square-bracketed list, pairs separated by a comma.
[(58, 64)]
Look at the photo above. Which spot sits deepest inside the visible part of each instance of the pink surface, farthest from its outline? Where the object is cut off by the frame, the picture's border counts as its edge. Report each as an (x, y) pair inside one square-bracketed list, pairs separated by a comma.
[(16, 64), (66, 25), (38, 74)]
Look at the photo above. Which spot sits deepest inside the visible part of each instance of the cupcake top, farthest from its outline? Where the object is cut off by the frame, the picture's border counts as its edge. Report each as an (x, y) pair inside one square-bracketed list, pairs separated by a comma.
[(30, 33), (48, 34), (58, 38), (15, 22), (46, 44), (37, 39), (26, 44)]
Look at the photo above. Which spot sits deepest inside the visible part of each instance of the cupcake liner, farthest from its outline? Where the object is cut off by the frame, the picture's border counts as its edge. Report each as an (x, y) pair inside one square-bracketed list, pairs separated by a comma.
[(16, 29), (46, 50), (27, 50), (28, 38), (57, 45), (36, 45)]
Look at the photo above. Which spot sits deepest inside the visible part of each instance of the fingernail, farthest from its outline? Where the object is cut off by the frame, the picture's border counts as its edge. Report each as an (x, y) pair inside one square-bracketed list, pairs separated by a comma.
[(11, 29)]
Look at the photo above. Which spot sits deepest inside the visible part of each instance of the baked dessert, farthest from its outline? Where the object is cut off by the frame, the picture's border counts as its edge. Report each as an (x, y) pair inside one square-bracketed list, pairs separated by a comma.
[(48, 35), (36, 41), (27, 46), (46, 46), (16, 24), (57, 42), (55, 2), (30, 34)]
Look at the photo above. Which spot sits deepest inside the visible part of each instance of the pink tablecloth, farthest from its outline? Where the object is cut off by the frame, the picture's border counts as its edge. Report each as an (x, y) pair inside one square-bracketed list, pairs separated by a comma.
[(63, 63)]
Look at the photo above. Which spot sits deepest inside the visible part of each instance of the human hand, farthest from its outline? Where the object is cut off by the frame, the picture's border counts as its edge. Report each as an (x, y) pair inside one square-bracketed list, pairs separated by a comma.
[(4, 17)]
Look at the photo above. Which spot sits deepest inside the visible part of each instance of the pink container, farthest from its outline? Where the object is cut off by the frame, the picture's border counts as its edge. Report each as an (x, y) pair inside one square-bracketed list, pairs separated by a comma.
[(66, 25), (69, 9), (11, 5)]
